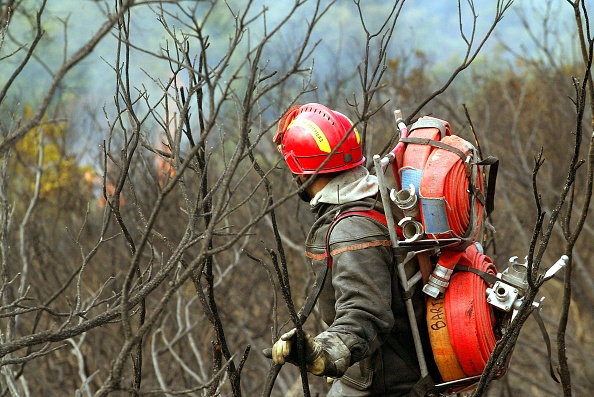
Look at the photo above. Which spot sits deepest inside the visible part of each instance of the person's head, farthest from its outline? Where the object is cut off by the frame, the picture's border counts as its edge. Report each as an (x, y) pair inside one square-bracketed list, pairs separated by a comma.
[(308, 134)]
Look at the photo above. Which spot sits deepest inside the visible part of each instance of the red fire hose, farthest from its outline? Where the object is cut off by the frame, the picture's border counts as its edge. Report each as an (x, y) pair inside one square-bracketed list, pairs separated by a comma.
[(447, 176), (469, 320), (435, 162), (470, 317), (415, 156), (449, 187)]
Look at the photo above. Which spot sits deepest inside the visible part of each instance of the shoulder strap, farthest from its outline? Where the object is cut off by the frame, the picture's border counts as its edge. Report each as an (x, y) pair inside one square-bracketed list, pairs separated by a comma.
[(369, 213), (321, 277)]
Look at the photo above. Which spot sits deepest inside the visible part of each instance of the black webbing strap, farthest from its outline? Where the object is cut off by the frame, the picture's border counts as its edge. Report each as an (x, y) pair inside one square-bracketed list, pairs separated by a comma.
[(489, 278), (313, 296), (432, 142), (423, 387), (493, 164)]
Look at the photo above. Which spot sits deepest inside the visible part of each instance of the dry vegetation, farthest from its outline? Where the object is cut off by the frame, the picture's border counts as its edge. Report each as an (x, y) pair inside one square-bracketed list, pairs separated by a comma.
[(169, 266)]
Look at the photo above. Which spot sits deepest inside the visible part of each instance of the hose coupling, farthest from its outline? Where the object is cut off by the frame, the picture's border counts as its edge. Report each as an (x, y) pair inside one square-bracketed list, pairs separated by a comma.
[(438, 281), (406, 199), (412, 230)]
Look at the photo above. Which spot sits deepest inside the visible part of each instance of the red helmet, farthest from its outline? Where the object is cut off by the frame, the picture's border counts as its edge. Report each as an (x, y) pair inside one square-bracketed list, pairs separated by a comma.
[(307, 134)]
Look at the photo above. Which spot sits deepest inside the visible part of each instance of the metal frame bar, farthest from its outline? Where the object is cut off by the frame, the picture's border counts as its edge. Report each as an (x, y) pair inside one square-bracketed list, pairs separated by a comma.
[(405, 282)]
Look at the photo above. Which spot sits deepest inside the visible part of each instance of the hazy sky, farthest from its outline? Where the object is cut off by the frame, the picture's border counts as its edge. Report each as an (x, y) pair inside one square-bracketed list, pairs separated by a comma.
[(430, 25)]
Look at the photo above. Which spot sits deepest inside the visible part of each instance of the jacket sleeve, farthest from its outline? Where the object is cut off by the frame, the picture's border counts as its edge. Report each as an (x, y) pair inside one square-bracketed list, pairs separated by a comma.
[(362, 263)]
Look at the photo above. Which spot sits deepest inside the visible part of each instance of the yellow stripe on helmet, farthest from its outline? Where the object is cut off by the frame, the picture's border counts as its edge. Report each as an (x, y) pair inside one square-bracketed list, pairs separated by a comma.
[(314, 131), (355, 130)]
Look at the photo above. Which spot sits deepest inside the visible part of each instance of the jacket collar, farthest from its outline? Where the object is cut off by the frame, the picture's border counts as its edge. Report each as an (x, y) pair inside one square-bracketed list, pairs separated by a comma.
[(352, 185)]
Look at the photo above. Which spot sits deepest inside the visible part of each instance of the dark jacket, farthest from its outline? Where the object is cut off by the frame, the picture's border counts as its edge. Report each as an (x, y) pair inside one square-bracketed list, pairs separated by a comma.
[(368, 335)]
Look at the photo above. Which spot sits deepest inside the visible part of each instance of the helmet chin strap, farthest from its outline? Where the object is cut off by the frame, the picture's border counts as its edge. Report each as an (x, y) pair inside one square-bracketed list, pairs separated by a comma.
[(303, 195)]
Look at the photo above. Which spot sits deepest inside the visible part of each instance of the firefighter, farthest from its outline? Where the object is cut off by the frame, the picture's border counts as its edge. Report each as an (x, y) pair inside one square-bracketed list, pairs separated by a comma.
[(367, 348)]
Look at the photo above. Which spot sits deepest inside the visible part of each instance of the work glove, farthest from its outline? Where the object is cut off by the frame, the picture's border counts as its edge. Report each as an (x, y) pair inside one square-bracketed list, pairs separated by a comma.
[(285, 350)]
